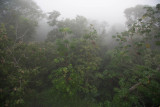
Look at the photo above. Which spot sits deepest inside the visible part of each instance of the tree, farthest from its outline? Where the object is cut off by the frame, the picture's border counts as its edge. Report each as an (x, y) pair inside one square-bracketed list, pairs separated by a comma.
[(76, 27), (20, 18), (134, 13), (137, 63), (13, 77), (53, 18)]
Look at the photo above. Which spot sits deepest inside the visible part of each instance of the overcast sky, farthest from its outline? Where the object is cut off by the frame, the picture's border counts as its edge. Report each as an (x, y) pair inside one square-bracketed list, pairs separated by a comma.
[(102, 10)]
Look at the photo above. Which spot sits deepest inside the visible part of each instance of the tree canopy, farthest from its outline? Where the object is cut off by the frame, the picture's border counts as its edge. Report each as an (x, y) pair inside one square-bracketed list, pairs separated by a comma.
[(74, 66)]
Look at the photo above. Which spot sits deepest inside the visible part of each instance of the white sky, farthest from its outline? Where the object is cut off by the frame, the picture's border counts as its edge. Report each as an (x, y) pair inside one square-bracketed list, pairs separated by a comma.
[(102, 10)]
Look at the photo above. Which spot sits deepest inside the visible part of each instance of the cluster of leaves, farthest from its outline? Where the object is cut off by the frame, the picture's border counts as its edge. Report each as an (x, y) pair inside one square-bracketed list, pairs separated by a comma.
[(14, 78), (135, 63)]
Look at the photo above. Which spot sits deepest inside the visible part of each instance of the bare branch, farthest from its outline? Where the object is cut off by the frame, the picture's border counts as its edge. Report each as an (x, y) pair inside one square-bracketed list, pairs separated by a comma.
[(134, 86)]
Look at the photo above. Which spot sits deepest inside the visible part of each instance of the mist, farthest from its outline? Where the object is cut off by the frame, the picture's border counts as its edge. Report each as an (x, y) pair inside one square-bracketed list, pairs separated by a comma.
[(111, 11), (108, 11), (79, 53)]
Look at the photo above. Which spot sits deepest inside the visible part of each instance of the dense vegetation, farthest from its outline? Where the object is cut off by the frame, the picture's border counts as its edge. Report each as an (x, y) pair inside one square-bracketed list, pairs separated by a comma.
[(74, 67)]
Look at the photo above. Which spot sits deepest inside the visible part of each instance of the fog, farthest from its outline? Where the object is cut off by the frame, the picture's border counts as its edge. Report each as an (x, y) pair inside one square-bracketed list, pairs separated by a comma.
[(80, 53), (110, 11)]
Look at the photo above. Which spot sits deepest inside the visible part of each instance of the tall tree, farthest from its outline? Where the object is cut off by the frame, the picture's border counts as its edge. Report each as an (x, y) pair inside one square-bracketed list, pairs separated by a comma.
[(134, 13), (20, 18)]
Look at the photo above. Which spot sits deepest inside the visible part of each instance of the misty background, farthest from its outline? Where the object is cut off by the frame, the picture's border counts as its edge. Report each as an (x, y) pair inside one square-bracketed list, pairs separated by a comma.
[(110, 12)]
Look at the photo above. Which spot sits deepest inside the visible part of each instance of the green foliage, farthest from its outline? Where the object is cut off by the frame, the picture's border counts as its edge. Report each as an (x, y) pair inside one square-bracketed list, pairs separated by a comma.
[(14, 79), (20, 18), (71, 70), (136, 64), (68, 28)]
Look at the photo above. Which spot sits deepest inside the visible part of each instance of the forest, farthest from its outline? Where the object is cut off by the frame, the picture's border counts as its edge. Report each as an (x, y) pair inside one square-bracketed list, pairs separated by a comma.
[(80, 62)]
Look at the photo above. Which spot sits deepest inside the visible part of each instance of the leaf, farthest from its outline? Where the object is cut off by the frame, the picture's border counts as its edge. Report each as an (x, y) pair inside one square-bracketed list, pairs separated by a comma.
[(147, 45), (56, 60)]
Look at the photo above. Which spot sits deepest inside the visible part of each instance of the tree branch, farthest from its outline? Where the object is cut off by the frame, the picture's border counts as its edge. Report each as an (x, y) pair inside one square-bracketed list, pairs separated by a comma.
[(134, 86)]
